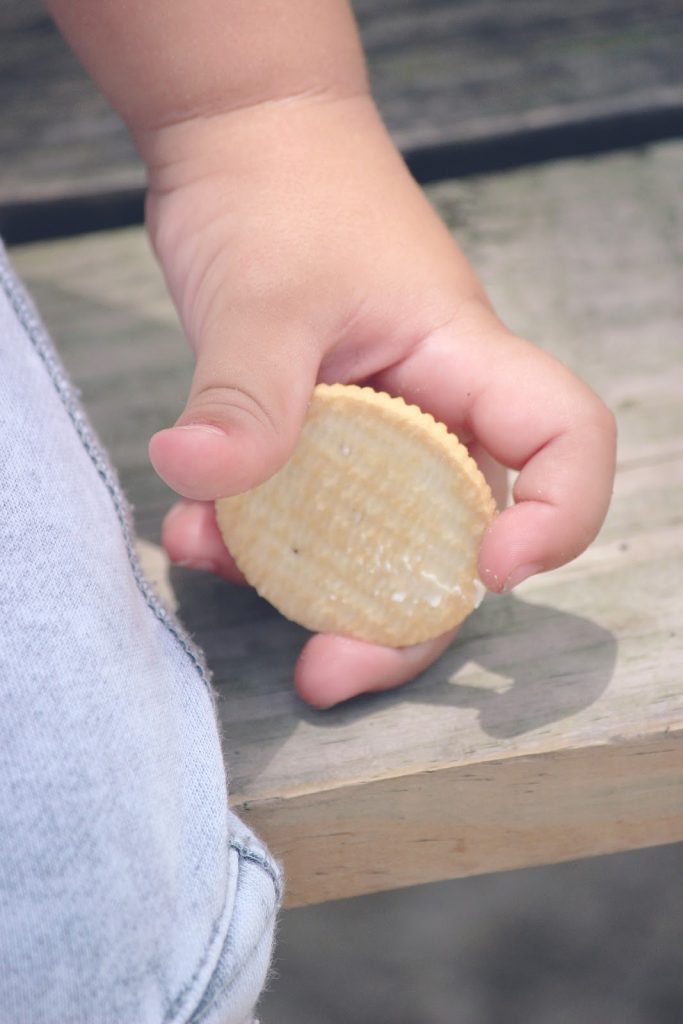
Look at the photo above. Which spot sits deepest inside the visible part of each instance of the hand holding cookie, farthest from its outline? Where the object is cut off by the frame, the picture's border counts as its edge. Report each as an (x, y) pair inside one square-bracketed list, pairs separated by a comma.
[(340, 271)]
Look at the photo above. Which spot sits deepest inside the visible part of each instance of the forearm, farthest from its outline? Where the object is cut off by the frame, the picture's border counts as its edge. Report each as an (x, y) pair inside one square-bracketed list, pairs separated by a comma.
[(162, 62)]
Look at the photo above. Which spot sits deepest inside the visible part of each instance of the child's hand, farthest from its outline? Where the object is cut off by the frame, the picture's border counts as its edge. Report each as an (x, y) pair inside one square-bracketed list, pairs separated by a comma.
[(298, 249)]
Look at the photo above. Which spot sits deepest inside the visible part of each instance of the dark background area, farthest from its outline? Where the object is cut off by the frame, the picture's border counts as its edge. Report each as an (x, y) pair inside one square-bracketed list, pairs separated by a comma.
[(590, 942)]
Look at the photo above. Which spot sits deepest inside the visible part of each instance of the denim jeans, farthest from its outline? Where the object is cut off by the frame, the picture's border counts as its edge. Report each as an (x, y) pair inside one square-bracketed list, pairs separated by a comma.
[(129, 893)]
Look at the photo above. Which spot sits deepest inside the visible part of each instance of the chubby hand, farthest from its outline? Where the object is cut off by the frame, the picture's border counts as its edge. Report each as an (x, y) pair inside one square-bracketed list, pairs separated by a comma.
[(298, 249)]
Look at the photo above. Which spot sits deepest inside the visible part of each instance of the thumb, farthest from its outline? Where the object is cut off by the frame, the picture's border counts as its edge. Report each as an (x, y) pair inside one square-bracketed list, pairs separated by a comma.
[(247, 403)]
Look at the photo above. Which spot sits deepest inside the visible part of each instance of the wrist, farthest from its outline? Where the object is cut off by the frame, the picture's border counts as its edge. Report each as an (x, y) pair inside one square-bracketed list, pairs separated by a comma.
[(165, 63), (264, 134)]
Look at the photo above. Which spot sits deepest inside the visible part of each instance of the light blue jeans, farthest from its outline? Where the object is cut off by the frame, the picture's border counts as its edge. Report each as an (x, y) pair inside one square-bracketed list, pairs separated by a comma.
[(129, 893)]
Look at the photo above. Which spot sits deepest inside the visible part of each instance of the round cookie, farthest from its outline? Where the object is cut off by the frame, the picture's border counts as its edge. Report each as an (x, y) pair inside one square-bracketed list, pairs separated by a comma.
[(372, 528)]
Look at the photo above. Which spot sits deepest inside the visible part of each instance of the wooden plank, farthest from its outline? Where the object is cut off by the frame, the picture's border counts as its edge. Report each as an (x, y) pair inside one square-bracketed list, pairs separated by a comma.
[(444, 73), (552, 729), (465, 819)]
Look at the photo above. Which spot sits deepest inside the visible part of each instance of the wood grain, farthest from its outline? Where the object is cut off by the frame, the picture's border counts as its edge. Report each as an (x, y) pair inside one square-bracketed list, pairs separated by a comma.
[(552, 729), (444, 73)]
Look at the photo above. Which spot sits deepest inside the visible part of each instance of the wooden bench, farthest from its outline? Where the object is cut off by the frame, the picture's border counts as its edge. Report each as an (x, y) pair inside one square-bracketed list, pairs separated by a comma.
[(553, 728)]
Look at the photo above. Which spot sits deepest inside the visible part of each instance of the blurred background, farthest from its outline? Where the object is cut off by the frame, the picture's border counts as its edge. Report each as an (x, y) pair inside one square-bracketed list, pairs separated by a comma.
[(589, 942), (464, 85), (472, 90)]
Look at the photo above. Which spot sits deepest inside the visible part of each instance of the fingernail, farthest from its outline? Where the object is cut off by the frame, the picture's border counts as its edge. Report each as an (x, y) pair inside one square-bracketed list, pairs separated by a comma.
[(199, 565), (200, 428), (490, 580), (518, 575)]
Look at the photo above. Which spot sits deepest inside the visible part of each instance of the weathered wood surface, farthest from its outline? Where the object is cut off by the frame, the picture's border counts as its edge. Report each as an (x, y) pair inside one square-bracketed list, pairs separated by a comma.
[(444, 73), (553, 728)]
